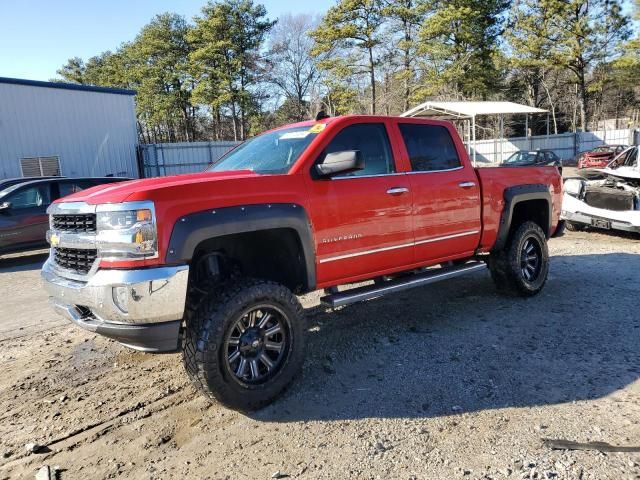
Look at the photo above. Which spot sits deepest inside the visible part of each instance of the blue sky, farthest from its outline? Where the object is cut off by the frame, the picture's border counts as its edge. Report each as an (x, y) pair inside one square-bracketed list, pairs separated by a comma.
[(38, 36)]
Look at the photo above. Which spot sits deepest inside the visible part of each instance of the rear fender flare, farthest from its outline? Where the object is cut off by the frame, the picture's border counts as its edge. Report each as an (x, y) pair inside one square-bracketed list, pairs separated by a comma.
[(512, 197)]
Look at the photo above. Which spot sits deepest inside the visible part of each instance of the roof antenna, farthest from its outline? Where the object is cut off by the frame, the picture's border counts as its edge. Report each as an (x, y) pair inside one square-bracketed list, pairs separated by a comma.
[(321, 115)]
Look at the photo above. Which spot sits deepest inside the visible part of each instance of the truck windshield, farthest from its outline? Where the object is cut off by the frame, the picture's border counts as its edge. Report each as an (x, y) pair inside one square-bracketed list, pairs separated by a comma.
[(270, 153)]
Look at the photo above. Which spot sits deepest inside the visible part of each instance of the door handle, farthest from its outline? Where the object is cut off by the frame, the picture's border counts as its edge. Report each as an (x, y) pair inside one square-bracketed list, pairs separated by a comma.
[(467, 184), (397, 190)]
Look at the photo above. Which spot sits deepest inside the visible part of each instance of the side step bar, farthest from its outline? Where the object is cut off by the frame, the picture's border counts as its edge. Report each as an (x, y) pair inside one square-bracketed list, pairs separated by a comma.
[(373, 291)]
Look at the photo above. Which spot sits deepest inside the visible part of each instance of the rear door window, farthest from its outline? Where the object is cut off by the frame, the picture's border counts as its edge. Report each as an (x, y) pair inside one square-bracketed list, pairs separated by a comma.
[(430, 147)]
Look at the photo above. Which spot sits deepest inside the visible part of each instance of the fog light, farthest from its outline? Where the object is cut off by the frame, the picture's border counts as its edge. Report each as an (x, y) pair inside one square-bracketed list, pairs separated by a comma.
[(120, 298)]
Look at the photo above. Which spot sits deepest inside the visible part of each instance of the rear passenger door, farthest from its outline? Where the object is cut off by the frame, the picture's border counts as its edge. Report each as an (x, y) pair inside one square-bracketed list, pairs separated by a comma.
[(445, 194)]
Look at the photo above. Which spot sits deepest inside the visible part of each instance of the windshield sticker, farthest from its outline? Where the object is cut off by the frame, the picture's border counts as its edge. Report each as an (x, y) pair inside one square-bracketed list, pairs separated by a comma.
[(292, 135), (317, 128)]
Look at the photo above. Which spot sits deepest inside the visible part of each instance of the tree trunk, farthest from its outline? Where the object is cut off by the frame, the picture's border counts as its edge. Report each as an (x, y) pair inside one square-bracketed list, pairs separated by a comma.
[(583, 101), (552, 105), (407, 63), (234, 117), (372, 74)]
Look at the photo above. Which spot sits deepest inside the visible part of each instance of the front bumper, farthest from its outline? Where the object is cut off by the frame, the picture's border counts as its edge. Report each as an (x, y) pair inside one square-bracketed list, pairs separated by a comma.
[(574, 210), (141, 308)]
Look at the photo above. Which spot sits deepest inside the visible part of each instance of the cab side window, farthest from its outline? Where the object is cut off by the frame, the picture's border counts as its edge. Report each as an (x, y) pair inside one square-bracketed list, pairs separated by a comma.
[(30, 197), (430, 147), (372, 141)]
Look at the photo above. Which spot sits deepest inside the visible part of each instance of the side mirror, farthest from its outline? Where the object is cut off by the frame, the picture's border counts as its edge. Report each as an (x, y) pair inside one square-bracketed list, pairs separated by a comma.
[(5, 207), (340, 162)]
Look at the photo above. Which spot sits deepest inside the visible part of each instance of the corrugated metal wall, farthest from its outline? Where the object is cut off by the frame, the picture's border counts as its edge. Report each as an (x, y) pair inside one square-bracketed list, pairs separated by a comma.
[(160, 159), (93, 133), (566, 145)]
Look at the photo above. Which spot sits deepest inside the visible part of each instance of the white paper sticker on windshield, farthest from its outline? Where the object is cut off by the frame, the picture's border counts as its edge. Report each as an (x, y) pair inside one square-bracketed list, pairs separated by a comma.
[(291, 135)]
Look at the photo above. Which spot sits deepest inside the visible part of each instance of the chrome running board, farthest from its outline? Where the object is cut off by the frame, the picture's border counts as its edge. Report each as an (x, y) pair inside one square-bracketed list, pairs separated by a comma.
[(416, 280)]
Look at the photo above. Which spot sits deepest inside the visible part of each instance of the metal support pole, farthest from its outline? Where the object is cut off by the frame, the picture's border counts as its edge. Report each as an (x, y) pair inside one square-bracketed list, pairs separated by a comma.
[(547, 124), (501, 138), (473, 132), (467, 136)]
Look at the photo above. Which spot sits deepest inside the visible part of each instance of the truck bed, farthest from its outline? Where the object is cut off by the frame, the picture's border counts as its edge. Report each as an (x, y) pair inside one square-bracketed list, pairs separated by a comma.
[(493, 183)]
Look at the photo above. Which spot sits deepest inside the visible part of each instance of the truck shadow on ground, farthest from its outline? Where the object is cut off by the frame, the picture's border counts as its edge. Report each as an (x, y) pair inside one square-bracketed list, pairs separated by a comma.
[(27, 261), (460, 347)]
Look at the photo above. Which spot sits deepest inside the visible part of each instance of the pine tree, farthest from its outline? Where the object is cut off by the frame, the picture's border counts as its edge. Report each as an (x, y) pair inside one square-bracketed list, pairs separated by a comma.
[(459, 40), (350, 32), (226, 41)]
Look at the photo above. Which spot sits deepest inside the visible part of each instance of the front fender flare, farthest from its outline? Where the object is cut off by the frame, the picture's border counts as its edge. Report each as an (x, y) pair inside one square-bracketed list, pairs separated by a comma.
[(193, 229)]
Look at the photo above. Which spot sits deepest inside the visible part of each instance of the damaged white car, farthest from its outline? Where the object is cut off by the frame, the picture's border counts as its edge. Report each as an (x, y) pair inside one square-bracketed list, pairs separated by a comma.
[(606, 198)]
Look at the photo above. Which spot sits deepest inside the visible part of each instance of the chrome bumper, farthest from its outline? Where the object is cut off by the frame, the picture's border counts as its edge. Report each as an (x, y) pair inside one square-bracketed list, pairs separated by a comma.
[(127, 305), (574, 210)]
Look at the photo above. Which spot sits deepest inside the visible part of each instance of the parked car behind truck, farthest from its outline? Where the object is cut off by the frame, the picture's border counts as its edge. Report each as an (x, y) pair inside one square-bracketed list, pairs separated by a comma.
[(535, 158), (211, 263), (600, 156), (23, 208)]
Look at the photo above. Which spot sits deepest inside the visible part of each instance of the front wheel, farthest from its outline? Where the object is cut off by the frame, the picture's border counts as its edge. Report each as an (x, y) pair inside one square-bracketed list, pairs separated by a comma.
[(522, 266), (244, 344)]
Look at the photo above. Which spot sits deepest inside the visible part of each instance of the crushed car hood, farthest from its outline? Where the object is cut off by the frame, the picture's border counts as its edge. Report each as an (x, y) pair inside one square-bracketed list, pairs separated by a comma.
[(623, 172)]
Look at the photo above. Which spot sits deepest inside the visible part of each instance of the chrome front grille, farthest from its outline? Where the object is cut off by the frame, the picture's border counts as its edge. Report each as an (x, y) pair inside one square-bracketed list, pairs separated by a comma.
[(79, 261), (77, 223)]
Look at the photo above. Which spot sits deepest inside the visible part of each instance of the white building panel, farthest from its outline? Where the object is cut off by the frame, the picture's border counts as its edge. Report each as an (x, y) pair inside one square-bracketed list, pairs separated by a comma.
[(91, 130)]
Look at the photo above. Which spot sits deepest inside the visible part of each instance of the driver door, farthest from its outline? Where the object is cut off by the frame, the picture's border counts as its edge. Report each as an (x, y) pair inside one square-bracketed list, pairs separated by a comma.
[(362, 219), (26, 221)]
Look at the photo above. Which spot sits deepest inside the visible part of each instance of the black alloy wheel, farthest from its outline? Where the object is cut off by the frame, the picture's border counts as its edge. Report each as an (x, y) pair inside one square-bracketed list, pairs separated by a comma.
[(256, 344), (531, 259)]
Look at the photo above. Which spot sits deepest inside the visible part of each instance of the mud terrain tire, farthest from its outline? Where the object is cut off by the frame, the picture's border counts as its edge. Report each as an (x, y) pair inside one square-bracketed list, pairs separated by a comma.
[(522, 267), (226, 328)]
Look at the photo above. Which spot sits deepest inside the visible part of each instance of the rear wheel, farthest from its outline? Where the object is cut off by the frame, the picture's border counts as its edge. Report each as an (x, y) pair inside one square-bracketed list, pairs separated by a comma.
[(244, 344), (522, 266)]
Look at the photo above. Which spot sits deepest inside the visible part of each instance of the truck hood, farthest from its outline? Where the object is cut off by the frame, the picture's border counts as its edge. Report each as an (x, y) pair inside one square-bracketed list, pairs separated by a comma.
[(120, 192)]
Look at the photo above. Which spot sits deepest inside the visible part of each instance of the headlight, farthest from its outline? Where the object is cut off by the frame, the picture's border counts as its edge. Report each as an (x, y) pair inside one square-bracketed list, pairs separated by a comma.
[(573, 187), (126, 230)]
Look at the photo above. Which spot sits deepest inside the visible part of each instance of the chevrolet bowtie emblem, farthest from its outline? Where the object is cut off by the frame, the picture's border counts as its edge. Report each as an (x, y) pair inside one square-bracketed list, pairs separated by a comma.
[(54, 240)]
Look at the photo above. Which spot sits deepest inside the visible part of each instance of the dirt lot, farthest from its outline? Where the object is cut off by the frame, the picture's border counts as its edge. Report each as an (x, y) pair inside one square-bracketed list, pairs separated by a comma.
[(449, 381)]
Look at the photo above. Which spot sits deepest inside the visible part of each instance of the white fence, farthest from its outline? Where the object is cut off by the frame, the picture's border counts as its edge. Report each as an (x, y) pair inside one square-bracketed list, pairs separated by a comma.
[(566, 145)]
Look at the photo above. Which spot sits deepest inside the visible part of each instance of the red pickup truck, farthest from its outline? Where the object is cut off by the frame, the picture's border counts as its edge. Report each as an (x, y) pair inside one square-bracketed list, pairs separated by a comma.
[(210, 263)]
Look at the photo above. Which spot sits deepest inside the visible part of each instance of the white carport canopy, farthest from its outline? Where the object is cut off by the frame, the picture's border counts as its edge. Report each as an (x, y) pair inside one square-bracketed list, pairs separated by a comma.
[(470, 110)]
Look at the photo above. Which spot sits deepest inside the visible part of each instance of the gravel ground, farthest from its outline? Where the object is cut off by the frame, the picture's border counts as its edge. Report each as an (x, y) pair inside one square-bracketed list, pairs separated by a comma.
[(447, 381)]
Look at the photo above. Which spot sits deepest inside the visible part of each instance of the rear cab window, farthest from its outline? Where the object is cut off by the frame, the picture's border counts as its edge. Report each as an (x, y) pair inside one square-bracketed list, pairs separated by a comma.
[(430, 147)]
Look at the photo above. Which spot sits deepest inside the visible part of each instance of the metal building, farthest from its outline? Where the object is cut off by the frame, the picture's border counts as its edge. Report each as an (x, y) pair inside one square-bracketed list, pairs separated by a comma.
[(49, 128)]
